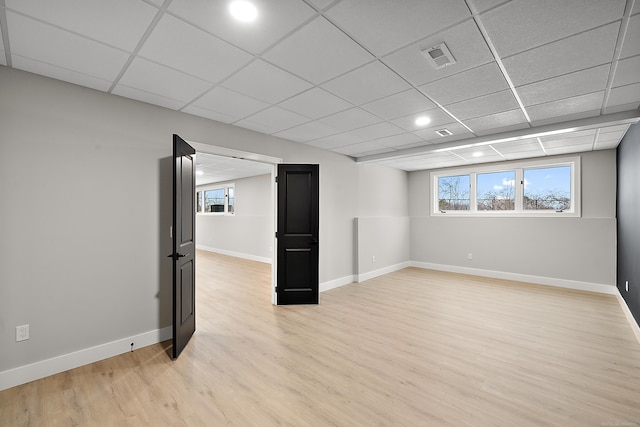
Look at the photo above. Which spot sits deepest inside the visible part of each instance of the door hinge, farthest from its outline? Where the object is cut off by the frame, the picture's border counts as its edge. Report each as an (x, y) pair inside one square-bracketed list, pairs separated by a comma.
[(276, 179), (276, 234)]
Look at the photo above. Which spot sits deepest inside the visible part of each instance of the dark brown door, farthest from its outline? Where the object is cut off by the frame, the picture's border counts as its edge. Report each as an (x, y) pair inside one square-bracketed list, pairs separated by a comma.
[(298, 221), (184, 260)]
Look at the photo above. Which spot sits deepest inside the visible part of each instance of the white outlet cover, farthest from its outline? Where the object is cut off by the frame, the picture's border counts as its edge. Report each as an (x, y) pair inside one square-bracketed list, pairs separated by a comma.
[(22, 333)]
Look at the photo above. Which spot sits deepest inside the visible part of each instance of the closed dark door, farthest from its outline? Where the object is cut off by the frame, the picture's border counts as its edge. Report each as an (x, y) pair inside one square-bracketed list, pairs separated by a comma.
[(298, 221), (184, 269)]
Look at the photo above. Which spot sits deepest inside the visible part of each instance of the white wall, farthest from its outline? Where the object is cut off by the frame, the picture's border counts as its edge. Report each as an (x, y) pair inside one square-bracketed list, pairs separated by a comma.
[(85, 179), (574, 252), (382, 226), (249, 233)]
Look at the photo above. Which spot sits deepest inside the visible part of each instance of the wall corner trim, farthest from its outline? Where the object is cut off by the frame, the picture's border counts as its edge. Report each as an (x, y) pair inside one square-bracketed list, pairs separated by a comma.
[(538, 280), (627, 313), (44, 368)]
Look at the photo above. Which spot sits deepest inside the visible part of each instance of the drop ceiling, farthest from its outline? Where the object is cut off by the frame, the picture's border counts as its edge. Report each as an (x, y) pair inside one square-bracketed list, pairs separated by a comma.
[(530, 78)]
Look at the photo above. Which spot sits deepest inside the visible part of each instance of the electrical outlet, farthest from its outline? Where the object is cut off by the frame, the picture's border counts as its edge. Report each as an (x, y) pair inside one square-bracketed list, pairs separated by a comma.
[(626, 286), (22, 333), (373, 258), (469, 256)]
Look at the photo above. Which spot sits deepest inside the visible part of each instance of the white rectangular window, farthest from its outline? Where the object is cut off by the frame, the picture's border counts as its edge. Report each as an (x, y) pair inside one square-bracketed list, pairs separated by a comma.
[(530, 188), (216, 199)]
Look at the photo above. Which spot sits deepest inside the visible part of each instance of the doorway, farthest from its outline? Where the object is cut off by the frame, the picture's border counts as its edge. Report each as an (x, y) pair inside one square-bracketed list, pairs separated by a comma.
[(236, 195)]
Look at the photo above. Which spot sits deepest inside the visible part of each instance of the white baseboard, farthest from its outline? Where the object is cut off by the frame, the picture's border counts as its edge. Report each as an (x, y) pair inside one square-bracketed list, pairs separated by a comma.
[(250, 257), (336, 283), (382, 271), (539, 280), (627, 313), (55, 365)]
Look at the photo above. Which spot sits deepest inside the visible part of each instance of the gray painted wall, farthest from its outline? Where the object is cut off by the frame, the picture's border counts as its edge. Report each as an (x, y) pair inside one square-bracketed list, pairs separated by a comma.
[(86, 200), (575, 249), (249, 232)]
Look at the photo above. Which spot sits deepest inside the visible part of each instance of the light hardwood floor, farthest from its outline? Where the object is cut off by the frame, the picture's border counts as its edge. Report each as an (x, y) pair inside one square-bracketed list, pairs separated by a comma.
[(412, 348)]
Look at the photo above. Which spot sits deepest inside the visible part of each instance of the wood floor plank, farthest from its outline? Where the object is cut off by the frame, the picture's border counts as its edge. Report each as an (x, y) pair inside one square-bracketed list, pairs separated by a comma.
[(412, 348)]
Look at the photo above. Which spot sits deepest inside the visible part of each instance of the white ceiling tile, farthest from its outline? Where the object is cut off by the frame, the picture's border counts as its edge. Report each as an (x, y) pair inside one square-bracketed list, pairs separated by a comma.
[(373, 81), (228, 102), (401, 141), (160, 80), (256, 126), (350, 119), (338, 140), (275, 20), (480, 154), (625, 95), (315, 103), (606, 145), (44, 43), (400, 104), (383, 26), (22, 63), (631, 45), (483, 5), (119, 23), (362, 149), (628, 72), (565, 86), (520, 149), (484, 105), (611, 136), (466, 43), (266, 82), (278, 118), (585, 50), (545, 21), (318, 52), (321, 4), (149, 98), (307, 132), (437, 116), (378, 130), (497, 122), (570, 149), (179, 45), (563, 107), (468, 84), (458, 132), (208, 114), (636, 8), (577, 138), (615, 129)]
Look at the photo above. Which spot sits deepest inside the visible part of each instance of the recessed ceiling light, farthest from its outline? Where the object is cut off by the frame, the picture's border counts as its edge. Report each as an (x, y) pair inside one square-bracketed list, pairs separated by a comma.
[(243, 11), (477, 154), (422, 121), (199, 173)]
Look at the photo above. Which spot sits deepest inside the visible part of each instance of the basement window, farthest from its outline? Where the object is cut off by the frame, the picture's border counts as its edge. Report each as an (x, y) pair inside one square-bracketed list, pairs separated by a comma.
[(217, 200), (528, 188)]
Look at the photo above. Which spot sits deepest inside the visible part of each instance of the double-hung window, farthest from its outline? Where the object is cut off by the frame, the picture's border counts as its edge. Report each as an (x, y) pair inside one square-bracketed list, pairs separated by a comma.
[(531, 188), (216, 199)]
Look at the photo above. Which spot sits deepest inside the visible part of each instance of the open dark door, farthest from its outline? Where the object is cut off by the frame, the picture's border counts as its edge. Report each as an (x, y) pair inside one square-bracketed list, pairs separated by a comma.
[(184, 268), (298, 221)]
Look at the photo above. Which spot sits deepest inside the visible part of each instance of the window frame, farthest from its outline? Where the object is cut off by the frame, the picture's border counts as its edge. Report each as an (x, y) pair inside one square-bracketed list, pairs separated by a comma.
[(518, 167), (200, 199)]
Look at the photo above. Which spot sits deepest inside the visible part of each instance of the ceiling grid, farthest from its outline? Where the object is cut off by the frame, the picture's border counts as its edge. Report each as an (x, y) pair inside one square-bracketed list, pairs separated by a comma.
[(350, 76)]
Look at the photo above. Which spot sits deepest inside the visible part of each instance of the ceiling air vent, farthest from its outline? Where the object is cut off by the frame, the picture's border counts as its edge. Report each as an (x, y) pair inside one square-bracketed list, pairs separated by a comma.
[(439, 56), (444, 132)]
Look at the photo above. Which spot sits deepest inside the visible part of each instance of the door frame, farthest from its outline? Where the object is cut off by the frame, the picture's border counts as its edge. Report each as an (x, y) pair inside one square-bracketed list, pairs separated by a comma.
[(262, 158)]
